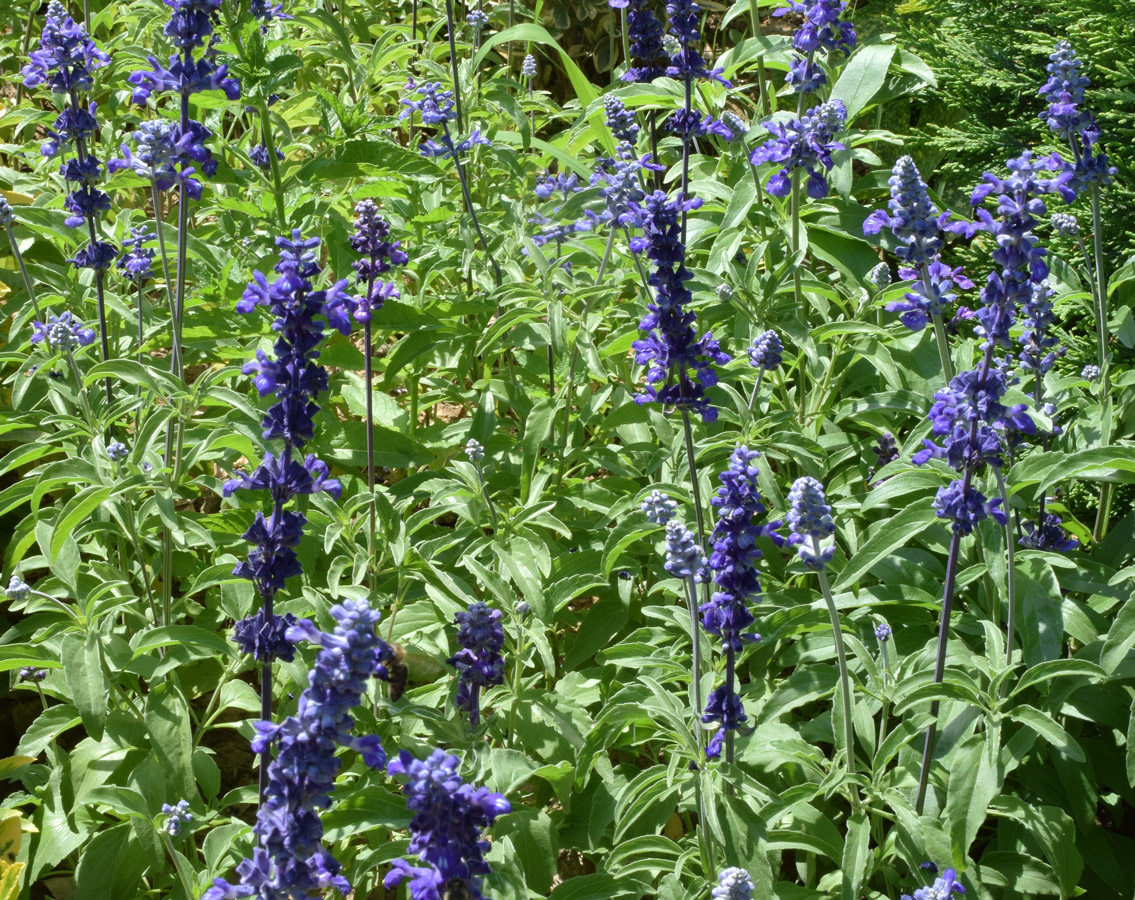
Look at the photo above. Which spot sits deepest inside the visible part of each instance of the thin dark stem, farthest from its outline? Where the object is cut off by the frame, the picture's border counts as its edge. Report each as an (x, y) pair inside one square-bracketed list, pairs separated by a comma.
[(473, 213), (182, 243), (368, 364), (686, 159), (453, 65), (844, 677), (730, 678), (756, 389), (266, 665), (695, 639), (159, 222), (1010, 553), (947, 606), (762, 79), (939, 665)]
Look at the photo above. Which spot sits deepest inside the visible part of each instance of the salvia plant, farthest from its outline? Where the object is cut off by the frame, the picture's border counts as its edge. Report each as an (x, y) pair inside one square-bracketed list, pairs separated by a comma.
[(458, 451)]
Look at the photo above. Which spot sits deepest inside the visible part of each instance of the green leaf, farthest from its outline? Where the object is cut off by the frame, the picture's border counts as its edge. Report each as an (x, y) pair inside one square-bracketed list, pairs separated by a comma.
[(625, 533), (110, 866), (897, 532), (1047, 728), (862, 77), (182, 635), (537, 427), (856, 854), (600, 886), (167, 720), (584, 91), (976, 775), (365, 809), (82, 666), (1120, 638), (1059, 668)]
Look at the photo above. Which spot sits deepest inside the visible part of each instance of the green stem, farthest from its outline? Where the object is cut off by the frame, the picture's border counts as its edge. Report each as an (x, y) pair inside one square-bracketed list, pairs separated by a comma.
[(182, 875), (23, 271), (274, 164), (1011, 576), (844, 678), (762, 79)]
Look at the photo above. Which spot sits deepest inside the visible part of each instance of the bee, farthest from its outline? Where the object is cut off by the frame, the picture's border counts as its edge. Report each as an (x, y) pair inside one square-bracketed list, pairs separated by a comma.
[(398, 672), (456, 889)]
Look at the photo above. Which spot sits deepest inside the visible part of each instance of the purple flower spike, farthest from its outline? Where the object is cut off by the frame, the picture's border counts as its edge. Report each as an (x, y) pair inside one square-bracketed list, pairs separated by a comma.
[(445, 833), (805, 143), (66, 55), (479, 662), (289, 859), (734, 566), (680, 364)]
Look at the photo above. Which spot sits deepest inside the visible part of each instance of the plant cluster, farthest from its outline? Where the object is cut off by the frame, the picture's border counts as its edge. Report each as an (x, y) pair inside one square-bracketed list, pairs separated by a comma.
[(652, 489)]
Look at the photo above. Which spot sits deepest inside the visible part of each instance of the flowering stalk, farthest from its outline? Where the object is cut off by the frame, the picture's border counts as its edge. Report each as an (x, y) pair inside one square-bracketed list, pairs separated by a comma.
[(883, 635), (968, 417), (479, 662), (686, 560), (65, 61), (296, 379), (810, 519), (437, 108), (65, 334), (160, 161), (1090, 170), (7, 216), (476, 454), (137, 266), (802, 145), (289, 860), (916, 223), (687, 64), (445, 833), (190, 27), (378, 255), (765, 355), (734, 566), (450, 28)]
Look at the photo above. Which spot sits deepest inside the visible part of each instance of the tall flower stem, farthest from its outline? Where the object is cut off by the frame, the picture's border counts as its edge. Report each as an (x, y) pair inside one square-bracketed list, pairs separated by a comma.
[(756, 389), (695, 639), (453, 67), (844, 678), (939, 326), (730, 679), (182, 245), (1011, 574), (686, 156), (568, 388), (23, 270), (472, 212), (368, 375), (1099, 531), (939, 665), (695, 488), (159, 221), (183, 876), (952, 559), (626, 38), (488, 500), (274, 164), (762, 78)]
